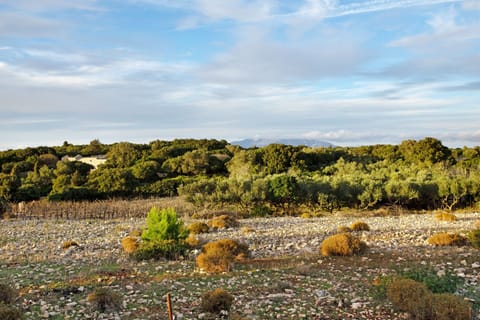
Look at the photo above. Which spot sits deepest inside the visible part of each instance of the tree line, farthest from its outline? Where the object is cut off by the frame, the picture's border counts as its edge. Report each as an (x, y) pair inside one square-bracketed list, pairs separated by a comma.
[(421, 174)]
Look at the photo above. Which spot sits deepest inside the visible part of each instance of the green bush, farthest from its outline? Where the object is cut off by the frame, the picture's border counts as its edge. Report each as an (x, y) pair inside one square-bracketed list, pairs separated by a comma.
[(474, 238), (164, 225), (168, 249), (448, 283), (164, 236)]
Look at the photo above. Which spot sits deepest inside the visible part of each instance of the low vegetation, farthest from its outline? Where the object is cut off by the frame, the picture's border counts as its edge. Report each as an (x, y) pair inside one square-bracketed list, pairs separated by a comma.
[(445, 216), (104, 299), (360, 226), (411, 296), (216, 301), (342, 244), (219, 256), (474, 238), (447, 239)]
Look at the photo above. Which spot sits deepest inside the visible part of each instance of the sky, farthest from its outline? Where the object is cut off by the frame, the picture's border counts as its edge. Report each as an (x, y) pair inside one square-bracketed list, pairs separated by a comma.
[(350, 72)]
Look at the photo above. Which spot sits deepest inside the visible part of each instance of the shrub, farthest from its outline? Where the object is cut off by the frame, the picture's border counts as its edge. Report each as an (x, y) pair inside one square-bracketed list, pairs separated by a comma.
[(164, 225), (445, 216), (474, 238), (8, 295), (476, 225), (164, 237), (246, 230), (192, 241), (306, 215), (411, 296), (343, 229), (448, 283), (69, 243), (216, 300), (342, 244), (103, 299), (360, 226), (447, 239), (168, 249), (135, 233), (9, 312), (198, 227), (218, 256), (450, 307), (223, 221), (130, 244)]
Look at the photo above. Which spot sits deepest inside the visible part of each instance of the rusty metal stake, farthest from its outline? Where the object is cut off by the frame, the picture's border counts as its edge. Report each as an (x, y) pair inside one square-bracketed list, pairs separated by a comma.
[(169, 307)]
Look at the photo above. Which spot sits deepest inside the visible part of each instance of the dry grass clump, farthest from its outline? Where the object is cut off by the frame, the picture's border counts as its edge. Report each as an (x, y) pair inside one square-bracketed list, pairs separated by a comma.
[(445, 216), (246, 230), (223, 221), (342, 244), (8, 295), (69, 243), (411, 296), (130, 244), (219, 256), (474, 238), (198, 227), (192, 241), (9, 313), (343, 229), (360, 226), (306, 215), (104, 299), (476, 225), (447, 239), (450, 307), (135, 233), (216, 301)]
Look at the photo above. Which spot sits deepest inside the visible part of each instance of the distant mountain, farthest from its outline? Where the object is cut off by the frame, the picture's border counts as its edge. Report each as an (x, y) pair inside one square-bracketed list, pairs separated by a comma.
[(261, 142)]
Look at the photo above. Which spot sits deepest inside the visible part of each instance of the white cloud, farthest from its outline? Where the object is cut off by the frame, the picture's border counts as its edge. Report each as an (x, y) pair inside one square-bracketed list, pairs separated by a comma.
[(51, 5), (471, 5), (14, 24)]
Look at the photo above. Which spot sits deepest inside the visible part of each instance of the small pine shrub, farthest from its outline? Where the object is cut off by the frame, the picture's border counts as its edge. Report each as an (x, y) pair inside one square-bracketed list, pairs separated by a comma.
[(218, 256), (216, 300), (198, 227), (445, 216), (342, 244), (9, 313), (343, 229), (164, 225), (104, 299), (69, 243), (360, 226), (130, 244), (8, 295), (474, 238), (411, 296), (447, 239), (450, 307), (223, 222)]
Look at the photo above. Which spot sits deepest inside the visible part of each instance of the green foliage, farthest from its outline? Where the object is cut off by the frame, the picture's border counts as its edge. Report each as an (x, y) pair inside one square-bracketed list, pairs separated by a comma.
[(216, 300), (474, 238), (446, 283), (168, 249), (163, 224)]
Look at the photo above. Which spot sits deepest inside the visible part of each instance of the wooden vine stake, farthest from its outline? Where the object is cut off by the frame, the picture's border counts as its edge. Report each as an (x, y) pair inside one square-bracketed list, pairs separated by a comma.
[(169, 307)]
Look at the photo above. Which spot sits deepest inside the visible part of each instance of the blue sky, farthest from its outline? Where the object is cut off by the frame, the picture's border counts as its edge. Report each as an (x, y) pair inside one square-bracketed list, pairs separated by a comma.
[(349, 72)]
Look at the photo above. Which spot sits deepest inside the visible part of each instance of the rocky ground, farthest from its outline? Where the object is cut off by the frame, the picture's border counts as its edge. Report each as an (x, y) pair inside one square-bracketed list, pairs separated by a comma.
[(285, 279)]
